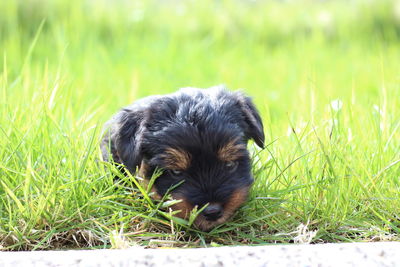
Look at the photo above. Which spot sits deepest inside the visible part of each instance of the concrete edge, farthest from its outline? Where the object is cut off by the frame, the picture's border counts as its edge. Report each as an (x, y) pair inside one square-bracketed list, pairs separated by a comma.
[(342, 254)]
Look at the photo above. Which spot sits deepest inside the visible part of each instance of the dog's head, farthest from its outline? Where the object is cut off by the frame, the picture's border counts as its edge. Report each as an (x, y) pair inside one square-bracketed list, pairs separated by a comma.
[(198, 137)]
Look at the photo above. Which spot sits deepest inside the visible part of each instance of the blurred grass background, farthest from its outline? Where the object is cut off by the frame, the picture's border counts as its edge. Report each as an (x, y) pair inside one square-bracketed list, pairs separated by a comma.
[(324, 74)]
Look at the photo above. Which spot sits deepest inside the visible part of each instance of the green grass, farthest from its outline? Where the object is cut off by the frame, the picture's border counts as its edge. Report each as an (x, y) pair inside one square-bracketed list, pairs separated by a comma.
[(325, 76)]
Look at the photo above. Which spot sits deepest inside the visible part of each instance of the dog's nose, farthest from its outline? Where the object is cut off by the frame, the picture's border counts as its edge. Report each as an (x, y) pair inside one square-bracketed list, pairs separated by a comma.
[(213, 212)]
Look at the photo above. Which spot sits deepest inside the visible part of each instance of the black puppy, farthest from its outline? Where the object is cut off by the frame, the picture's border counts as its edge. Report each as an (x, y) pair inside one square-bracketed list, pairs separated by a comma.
[(196, 135)]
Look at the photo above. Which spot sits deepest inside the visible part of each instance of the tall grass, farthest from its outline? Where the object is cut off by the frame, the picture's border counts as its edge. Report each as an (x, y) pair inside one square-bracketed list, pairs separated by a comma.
[(324, 74)]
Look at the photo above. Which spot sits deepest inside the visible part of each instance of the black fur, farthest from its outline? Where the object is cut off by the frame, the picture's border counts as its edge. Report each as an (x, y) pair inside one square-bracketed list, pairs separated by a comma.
[(198, 121)]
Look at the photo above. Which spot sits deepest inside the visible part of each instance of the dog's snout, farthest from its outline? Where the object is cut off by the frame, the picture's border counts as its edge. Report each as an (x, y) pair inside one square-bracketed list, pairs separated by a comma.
[(213, 212)]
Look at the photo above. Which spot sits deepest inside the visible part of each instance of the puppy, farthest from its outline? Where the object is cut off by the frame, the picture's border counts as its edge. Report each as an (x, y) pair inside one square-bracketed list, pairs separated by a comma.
[(198, 136)]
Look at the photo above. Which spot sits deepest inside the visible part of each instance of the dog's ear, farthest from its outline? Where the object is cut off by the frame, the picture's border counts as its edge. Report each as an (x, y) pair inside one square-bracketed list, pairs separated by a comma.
[(129, 140), (254, 126)]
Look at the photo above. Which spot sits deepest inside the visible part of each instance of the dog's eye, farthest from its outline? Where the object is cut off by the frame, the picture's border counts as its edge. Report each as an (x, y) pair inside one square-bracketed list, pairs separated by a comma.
[(231, 165), (175, 172)]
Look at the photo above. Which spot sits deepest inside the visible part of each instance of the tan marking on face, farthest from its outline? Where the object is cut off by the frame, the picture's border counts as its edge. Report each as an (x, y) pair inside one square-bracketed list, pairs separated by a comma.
[(231, 151), (184, 206), (177, 159), (143, 169), (155, 194), (238, 198), (144, 182)]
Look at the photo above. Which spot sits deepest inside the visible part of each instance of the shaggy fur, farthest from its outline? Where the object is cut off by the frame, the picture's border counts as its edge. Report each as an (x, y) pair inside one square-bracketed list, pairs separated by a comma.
[(196, 135)]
